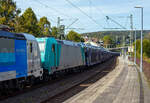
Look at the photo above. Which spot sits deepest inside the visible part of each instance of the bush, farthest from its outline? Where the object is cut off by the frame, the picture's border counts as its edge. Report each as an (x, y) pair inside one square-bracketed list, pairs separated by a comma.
[(146, 48)]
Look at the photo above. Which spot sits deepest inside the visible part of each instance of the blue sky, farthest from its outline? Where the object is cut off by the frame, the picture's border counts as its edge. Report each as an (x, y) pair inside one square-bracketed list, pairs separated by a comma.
[(118, 10)]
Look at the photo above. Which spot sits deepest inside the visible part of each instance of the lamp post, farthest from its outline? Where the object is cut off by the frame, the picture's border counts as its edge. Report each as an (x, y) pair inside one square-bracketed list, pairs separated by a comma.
[(135, 48), (141, 60)]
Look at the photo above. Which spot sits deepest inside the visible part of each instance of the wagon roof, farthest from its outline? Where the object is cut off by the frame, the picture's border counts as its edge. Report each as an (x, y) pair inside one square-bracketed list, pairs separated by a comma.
[(6, 34), (29, 36)]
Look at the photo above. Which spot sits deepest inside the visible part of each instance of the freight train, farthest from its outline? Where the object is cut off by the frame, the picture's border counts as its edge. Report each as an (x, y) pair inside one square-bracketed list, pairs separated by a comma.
[(25, 59)]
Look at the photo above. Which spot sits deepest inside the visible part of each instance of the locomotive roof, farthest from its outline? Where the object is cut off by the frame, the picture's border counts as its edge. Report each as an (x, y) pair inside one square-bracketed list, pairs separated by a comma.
[(50, 39), (29, 36), (70, 43), (66, 42), (5, 34)]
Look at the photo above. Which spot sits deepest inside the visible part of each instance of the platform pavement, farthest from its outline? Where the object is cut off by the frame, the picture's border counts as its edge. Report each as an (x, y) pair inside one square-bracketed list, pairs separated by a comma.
[(125, 84)]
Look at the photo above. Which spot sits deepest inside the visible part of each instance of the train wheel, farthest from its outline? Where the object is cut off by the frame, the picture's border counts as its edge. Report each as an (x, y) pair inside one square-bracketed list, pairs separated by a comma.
[(20, 85), (6, 89), (41, 78), (46, 77), (32, 81), (1, 93)]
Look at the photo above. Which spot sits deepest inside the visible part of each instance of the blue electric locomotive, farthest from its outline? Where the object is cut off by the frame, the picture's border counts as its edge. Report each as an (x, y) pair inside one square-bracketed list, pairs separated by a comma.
[(19, 59)]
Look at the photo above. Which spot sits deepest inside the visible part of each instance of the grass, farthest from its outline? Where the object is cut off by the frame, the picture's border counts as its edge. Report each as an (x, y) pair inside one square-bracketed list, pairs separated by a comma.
[(145, 77), (147, 59)]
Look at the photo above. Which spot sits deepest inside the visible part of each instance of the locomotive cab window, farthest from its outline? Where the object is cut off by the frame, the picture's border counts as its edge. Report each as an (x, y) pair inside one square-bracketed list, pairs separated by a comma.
[(42, 46), (31, 45)]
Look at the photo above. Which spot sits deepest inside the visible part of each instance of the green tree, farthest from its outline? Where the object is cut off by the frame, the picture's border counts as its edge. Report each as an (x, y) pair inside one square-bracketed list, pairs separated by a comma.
[(29, 23), (82, 39), (107, 39), (74, 36), (8, 12), (45, 26), (55, 32), (138, 47), (146, 47)]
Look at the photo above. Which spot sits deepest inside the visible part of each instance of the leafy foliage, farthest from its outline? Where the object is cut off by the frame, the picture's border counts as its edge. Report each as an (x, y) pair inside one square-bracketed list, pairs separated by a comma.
[(28, 22), (44, 26), (107, 39), (8, 12), (74, 36), (146, 48), (55, 32)]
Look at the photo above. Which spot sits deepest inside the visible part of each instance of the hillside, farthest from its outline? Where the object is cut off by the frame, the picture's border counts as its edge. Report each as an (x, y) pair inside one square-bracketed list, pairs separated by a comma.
[(117, 36)]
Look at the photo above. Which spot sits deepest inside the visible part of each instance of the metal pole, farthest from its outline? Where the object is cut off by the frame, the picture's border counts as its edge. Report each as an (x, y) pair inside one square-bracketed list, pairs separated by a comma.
[(141, 63), (131, 26), (135, 49), (123, 45), (58, 27), (131, 23)]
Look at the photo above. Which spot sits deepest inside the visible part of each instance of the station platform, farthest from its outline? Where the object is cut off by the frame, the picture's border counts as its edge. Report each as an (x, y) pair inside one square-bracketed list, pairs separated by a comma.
[(125, 84)]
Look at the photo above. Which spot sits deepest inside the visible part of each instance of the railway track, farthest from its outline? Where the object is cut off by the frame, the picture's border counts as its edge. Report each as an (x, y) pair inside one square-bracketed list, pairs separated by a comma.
[(62, 88), (61, 97)]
